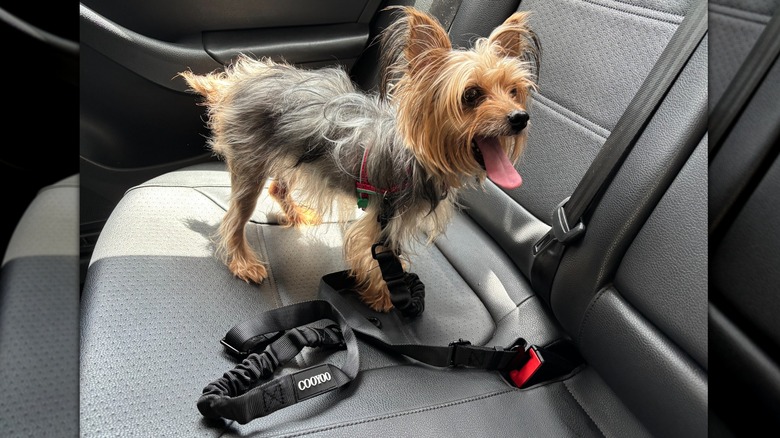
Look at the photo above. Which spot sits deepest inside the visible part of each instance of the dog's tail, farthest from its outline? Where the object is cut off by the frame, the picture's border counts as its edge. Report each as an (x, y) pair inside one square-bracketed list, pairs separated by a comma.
[(209, 85), (213, 86)]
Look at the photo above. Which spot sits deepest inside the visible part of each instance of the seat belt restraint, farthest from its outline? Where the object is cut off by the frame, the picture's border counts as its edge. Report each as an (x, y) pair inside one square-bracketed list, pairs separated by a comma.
[(267, 342), (751, 74), (567, 219), (250, 390)]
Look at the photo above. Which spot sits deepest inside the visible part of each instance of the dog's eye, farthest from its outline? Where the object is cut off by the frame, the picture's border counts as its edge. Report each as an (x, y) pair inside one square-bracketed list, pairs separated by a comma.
[(513, 92), (471, 96)]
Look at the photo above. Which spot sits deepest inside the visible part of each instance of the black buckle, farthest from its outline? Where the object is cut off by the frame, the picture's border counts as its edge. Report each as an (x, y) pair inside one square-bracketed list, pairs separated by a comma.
[(560, 225), (376, 255), (560, 231), (523, 376), (232, 350), (464, 354), (543, 243), (258, 343), (332, 337), (453, 347), (535, 364)]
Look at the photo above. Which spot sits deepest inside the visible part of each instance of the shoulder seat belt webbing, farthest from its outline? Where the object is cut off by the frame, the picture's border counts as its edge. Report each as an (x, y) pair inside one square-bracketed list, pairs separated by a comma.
[(742, 87), (732, 103), (549, 250)]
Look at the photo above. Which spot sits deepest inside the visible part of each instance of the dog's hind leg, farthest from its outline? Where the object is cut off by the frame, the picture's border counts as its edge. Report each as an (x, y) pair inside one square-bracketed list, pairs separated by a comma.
[(357, 251), (294, 214), (240, 258)]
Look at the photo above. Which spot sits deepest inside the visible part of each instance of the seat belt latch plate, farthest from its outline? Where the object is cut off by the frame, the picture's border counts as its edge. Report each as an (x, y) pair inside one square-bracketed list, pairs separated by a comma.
[(560, 225)]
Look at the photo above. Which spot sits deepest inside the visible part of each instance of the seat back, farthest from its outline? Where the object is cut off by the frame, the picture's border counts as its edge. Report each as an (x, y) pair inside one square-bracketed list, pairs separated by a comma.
[(742, 191), (632, 292)]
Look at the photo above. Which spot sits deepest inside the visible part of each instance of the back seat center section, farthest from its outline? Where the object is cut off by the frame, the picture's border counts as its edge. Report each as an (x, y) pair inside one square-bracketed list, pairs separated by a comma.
[(154, 269)]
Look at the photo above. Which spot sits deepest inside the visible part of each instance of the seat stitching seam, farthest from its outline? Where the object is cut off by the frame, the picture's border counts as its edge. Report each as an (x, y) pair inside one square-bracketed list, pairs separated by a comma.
[(565, 385), (728, 11), (517, 306), (400, 414), (636, 14), (647, 7), (567, 117), (463, 278), (589, 312), (175, 186), (271, 279), (205, 195), (736, 8)]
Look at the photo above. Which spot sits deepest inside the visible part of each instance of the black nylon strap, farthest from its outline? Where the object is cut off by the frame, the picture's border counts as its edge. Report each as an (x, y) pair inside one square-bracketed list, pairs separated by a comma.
[(407, 291), (456, 354), (245, 393), (567, 219), (237, 396)]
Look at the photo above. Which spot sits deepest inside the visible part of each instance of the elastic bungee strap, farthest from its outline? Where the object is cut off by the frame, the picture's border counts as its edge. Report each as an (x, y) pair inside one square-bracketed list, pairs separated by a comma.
[(245, 393)]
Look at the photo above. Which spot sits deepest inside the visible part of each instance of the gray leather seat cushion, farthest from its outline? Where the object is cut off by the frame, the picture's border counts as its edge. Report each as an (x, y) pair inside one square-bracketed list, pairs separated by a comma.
[(39, 318), (155, 290)]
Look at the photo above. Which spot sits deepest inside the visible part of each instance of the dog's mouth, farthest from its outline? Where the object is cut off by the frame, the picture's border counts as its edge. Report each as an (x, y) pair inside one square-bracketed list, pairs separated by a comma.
[(491, 156)]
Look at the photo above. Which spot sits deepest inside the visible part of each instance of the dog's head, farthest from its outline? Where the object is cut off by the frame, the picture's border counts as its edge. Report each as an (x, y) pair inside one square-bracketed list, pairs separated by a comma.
[(462, 112)]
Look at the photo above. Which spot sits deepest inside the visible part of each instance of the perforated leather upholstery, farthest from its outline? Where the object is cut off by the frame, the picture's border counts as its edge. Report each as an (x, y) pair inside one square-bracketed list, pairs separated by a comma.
[(39, 318)]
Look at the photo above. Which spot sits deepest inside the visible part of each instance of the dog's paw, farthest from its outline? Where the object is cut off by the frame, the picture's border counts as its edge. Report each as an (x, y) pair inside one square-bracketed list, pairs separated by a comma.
[(249, 272), (309, 217), (382, 306), (378, 301), (302, 216)]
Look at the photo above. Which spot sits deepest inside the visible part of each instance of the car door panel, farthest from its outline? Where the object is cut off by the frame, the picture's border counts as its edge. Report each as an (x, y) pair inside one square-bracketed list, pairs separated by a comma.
[(176, 20), (138, 119), (320, 44)]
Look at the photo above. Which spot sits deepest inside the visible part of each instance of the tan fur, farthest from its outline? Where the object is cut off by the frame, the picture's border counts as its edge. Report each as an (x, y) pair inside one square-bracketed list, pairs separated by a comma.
[(357, 251), (432, 134), (295, 215)]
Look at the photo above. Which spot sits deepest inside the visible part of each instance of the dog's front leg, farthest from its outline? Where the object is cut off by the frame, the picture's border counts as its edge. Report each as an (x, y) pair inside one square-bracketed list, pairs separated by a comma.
[(357, 247), (238, 255)]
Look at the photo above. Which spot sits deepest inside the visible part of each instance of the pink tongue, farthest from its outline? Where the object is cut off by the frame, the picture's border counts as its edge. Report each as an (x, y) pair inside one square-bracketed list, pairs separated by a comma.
[(499, 169)]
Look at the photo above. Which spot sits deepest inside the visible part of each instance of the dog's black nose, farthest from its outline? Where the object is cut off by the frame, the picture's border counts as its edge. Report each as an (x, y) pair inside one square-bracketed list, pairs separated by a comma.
[(518, 120)]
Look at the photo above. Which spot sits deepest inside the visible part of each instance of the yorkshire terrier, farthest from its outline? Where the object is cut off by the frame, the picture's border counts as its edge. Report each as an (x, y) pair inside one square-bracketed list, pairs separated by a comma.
[(443, 119)]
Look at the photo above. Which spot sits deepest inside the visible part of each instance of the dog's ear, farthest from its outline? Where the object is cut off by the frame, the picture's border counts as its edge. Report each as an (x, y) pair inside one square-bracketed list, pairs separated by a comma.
[(410, 42), (425, 35), (516, 39)]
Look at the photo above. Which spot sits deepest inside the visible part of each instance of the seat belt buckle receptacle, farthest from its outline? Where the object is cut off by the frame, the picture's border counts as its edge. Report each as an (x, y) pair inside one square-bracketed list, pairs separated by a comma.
[(523, 375), (536, 364)]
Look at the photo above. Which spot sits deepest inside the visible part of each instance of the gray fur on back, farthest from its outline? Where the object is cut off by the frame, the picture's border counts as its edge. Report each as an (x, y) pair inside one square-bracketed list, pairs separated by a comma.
[(286, 122)]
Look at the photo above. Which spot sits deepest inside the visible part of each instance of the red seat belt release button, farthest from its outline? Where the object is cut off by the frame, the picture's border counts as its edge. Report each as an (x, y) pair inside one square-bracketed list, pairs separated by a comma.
[(524, 374)]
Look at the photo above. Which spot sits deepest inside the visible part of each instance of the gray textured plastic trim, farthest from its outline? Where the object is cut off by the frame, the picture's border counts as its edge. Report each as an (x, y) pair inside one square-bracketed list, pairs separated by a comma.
[(318, 43), (153, 59)]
